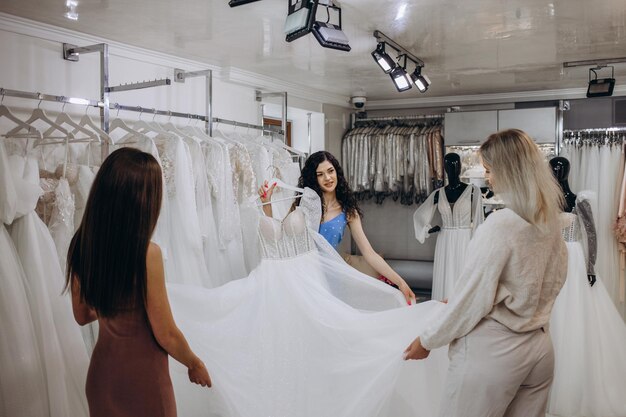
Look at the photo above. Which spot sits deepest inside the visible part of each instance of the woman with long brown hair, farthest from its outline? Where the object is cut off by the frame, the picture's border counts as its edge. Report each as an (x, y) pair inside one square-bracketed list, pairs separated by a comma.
[(116, 277), (323, 174)]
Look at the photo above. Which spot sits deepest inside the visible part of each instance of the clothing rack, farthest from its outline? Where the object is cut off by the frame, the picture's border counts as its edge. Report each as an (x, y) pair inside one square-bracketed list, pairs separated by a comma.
[(409, 118), (596, 130), (116, 106), (596, 136)]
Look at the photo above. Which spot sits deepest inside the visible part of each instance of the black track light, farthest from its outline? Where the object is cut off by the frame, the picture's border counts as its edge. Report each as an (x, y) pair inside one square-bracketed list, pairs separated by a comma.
[(235, 3), (383, 59), (400, 78), (397, 71), (600, 87), (421, 81)]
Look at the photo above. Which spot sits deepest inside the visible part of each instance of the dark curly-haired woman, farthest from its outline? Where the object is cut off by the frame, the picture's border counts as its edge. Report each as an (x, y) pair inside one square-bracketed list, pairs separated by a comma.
[(323, 173)]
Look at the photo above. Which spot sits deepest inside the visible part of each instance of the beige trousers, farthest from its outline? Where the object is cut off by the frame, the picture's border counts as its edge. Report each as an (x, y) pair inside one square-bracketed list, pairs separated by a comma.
[(495, 372)]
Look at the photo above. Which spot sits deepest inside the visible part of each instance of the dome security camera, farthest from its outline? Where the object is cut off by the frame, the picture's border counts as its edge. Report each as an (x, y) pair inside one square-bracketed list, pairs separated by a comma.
[(358, 102)]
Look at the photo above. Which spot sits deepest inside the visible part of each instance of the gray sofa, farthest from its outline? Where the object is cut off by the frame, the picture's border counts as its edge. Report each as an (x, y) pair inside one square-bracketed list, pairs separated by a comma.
[(418, 274)]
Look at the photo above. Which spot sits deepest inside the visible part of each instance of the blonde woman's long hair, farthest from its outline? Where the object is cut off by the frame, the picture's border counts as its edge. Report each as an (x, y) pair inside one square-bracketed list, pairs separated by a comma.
[(522, 177)]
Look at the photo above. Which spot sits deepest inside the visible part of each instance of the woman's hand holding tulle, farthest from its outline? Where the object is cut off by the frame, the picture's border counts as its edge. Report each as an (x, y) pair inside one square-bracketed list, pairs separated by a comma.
[(416, 351), (407, 292)]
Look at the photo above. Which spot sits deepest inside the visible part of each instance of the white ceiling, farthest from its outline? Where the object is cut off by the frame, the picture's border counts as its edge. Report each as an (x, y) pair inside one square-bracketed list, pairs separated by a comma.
[(468, 46)]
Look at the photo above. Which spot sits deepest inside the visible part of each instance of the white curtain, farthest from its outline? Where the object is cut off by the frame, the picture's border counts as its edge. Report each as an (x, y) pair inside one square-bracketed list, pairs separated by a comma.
[(597, 161)]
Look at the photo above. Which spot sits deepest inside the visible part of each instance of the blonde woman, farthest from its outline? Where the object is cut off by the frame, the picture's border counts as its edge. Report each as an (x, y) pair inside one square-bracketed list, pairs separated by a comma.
[(501, 355)]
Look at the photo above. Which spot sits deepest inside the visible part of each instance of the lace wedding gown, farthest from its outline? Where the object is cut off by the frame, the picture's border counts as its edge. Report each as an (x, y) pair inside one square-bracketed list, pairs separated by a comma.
[(587, 331), (459, 220), (304, 335)]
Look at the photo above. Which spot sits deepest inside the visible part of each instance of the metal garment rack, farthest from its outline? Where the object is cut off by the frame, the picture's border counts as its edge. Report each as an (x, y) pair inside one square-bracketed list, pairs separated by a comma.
[(115, 106), (399, 118), (72, 53)]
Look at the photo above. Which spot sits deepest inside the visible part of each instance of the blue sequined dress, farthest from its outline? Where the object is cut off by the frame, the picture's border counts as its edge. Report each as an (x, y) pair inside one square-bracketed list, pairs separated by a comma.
[(333, 229)]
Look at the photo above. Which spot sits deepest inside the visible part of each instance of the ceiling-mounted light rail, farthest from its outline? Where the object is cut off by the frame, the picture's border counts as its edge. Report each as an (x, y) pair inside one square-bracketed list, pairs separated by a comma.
[(235, 3), (381, 37), (397, 69), (594, 62)]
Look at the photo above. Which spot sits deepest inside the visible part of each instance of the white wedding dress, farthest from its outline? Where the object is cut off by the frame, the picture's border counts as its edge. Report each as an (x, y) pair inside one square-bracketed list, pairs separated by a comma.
[(459, 221), (588, 334), (59, 339), (304, 335), (22, 376)]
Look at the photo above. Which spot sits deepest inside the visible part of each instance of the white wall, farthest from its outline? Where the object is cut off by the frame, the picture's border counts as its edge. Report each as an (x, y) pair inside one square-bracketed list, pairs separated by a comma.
[(36, 65), (299, 126), (32, 61)]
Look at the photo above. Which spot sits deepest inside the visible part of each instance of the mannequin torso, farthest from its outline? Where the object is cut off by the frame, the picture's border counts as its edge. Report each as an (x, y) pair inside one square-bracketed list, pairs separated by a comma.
[(454, 189)]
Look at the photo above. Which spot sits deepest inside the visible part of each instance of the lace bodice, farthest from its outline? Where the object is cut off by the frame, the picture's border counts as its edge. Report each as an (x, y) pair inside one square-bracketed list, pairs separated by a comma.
[(292, 236), (465, 213)]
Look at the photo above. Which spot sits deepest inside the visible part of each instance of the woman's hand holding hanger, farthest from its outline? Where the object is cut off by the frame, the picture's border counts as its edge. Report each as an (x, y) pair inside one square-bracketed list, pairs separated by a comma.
[(266, 191), (265, 194)]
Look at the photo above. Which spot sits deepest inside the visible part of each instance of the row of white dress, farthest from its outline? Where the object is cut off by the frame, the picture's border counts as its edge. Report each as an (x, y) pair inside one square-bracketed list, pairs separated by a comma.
[(208, 186)]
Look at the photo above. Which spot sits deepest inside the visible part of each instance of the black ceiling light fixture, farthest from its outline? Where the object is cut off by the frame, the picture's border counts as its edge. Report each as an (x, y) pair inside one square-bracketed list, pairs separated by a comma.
[(421, 81), (235, 3), (382, 58), (302, 20), (398, 72), (600, 87), (400, 77)]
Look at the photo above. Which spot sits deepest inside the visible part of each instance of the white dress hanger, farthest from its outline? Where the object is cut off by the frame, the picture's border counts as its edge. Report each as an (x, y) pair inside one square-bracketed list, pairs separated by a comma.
[(281, 184), (31, 132)]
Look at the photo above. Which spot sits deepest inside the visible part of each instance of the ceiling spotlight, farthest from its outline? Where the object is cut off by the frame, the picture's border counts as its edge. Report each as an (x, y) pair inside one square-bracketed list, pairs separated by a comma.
[(234, 3), (600, 87), (383, 59), (421, 81), (400, 78), (327, 34), (300, 19), (330, 36)]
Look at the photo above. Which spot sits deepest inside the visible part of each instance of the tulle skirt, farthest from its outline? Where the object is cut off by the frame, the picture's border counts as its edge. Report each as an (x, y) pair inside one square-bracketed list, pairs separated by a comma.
[(305, 337), (59, 340), (449, 260), (22, 384), (589, 339)]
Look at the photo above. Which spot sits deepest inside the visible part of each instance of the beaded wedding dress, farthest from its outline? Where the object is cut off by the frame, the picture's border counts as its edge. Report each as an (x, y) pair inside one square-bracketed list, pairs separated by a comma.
[(587, 331)]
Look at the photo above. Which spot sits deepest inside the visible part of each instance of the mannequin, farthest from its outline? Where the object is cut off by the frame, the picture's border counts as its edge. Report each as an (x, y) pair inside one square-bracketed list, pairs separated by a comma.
[(454, 189), (460, 206), (587, 331), (560, 169)]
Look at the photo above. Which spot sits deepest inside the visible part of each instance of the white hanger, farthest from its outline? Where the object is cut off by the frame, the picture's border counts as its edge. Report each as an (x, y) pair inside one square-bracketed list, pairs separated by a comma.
[(87, 122), (38, 114), (281, 184), (31, 132), (64, 119), (118, 123)]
